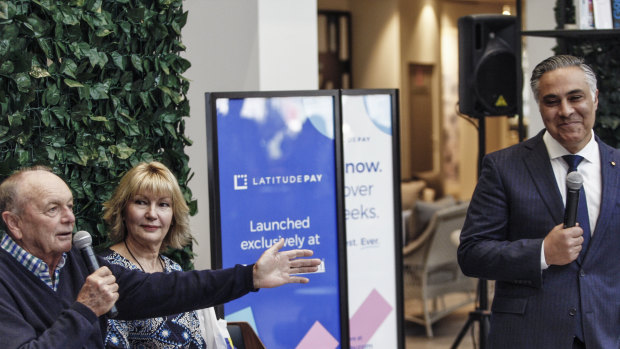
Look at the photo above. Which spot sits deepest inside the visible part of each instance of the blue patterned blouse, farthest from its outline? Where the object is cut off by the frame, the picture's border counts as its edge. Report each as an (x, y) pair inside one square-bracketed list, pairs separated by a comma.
[(173, 331)]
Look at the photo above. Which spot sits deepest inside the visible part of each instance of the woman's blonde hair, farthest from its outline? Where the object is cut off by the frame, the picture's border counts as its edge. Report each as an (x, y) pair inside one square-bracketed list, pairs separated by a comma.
[(153, 177)]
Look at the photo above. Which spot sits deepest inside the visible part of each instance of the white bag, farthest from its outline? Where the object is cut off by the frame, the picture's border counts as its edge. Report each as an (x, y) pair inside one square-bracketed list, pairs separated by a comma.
[(213, 330)]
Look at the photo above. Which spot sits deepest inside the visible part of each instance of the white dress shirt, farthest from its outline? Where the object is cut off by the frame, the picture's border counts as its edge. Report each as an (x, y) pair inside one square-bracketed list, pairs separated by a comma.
[(589, 168)]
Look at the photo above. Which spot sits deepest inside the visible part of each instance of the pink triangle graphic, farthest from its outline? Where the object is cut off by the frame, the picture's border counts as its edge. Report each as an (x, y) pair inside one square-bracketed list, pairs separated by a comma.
[(318, 337), (368, 318)]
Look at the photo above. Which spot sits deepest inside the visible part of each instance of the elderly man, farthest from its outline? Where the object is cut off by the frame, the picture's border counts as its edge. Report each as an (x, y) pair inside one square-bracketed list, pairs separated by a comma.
[(556, 286), (49, 300)]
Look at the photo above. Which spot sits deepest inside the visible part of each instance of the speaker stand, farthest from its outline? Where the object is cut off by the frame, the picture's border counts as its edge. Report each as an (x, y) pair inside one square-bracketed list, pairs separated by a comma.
[(481, 314)]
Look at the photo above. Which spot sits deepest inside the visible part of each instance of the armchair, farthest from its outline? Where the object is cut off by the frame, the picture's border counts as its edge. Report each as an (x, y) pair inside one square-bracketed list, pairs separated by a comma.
[(431, 270)]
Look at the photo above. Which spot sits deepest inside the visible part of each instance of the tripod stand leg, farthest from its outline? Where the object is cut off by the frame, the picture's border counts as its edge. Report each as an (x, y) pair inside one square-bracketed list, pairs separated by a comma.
[(483, 318), (458, 339)]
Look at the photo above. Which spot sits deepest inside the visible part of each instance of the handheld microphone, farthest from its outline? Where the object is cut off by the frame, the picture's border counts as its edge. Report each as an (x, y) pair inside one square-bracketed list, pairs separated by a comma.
[(84, 242), (574, 181)]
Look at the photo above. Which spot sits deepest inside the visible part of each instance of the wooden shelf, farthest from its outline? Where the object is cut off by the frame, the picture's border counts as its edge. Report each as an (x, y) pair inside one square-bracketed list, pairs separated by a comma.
[(575, 33)]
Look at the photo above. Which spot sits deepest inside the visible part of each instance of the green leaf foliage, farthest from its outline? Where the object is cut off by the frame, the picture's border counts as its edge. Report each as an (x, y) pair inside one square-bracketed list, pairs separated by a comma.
[(91, 88)]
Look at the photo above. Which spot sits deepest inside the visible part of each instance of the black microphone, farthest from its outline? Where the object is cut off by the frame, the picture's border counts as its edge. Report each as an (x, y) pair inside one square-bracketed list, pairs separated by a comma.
[(84, 242), (574, 181)]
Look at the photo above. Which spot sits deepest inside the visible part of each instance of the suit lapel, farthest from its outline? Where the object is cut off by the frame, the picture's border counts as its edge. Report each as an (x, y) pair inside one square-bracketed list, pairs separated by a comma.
[(538, 165), (610, 181)]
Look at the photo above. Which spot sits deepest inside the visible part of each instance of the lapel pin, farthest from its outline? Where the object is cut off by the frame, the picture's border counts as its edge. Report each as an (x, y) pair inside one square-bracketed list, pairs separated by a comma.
[(613, 163)]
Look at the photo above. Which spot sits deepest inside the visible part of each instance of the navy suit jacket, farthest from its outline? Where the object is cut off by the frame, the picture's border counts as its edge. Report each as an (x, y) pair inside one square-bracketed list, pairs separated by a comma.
[(515, 204)]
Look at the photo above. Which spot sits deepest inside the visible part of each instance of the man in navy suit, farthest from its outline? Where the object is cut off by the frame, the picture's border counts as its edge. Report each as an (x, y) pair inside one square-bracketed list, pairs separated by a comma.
[(555, 287)]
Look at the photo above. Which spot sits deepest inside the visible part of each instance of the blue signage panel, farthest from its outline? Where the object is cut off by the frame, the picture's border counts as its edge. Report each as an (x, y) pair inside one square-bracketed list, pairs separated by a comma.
[(275, 174)]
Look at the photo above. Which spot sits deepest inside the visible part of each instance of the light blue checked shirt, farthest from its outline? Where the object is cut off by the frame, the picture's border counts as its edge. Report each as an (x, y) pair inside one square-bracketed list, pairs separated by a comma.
[(32, 263)]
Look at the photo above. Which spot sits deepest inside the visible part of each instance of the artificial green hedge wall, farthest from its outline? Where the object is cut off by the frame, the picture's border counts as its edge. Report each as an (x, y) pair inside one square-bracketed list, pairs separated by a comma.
[(91, 88)]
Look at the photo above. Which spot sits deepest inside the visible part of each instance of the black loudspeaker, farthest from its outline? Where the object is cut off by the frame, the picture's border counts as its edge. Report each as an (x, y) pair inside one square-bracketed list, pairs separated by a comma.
[(489, 81)]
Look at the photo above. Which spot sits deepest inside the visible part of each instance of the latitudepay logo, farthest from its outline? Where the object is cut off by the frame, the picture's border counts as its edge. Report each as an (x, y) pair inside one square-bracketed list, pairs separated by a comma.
[(242, 182)]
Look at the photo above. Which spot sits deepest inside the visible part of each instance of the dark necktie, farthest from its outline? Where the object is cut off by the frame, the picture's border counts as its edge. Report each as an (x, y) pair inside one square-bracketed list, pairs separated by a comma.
[(584, 222), (582, 210)]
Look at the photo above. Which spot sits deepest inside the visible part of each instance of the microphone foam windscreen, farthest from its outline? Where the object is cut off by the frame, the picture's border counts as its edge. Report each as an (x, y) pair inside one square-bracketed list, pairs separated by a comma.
[(574, 180), (82, 239)]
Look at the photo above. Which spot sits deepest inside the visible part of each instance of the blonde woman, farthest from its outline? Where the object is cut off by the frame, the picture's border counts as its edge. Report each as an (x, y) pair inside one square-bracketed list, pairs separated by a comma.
[(147, 214)]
